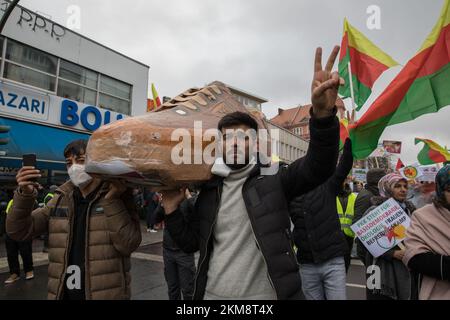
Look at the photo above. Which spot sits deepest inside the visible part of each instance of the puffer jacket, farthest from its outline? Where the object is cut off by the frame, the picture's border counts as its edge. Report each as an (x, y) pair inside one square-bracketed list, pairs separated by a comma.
[(113, 233), (266, 198), (186, 208), (317, 230)]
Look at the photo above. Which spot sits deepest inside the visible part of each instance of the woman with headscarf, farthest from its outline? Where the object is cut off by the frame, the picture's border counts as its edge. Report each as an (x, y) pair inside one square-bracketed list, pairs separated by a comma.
[(428, 242), (396, 282)]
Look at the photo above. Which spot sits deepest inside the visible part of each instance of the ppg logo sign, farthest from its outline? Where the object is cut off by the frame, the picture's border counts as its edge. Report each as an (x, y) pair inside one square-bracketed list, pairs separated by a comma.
[(90, 117)]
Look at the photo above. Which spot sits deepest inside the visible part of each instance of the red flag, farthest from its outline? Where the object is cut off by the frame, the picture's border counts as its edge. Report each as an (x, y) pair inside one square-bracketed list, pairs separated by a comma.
[(156, 99), (399, 165), (150, 105)]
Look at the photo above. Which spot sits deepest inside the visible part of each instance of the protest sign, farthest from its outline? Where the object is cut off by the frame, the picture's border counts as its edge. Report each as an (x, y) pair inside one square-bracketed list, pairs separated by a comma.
[(360, 174), (410, 172), (383, 228), (428, 173), (392, 146)]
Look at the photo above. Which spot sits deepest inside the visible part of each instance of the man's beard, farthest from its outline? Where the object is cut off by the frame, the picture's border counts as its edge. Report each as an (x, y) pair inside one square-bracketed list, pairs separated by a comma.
[(237, 163), (236, 166)]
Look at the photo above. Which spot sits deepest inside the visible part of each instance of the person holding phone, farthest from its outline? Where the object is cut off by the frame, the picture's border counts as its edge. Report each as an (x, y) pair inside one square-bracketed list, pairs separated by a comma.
[(93, 228)]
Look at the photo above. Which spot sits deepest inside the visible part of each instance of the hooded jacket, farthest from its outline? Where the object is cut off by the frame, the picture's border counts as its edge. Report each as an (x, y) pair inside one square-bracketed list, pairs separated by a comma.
[(113, 233), (266, 199)]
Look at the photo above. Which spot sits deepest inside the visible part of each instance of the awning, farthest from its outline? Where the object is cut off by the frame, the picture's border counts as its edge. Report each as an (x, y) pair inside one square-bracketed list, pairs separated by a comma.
[(47, 143)]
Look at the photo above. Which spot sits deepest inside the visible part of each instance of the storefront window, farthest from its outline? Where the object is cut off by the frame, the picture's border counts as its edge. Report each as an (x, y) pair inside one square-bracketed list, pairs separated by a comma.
[(30, 77), (78, 74), (39, 69), (114, 104), (75, 92), (31, 57), (115, 87)]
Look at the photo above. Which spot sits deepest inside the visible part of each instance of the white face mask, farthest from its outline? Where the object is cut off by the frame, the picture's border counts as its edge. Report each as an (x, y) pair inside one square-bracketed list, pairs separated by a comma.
[(78, 175)]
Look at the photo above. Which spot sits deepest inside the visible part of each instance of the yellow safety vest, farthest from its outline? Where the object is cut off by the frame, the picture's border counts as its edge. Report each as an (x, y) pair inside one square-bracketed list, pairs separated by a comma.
[(346, 218), (48, 197), (8, 207)]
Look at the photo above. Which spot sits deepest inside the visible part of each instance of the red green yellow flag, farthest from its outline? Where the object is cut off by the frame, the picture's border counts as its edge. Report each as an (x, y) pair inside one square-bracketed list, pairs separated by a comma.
[(367, 63), (432, 152), (150, 105), (343, 132), (421, 87), (157, 101)]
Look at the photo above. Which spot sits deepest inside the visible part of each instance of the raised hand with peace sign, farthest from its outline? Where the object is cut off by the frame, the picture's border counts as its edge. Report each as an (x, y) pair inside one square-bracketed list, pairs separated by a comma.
[(325, 85)]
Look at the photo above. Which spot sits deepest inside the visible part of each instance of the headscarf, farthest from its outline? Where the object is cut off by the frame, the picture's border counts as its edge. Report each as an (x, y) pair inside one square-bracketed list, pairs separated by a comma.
[(387, 183), (442, 180)]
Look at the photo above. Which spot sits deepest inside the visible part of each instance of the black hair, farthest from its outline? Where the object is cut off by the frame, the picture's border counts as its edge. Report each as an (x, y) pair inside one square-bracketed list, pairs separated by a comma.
[(237, 118), (75, 148)]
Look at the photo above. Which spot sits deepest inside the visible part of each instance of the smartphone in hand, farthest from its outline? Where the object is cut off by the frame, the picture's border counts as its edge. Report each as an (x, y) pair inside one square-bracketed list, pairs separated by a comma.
[(29, 160)]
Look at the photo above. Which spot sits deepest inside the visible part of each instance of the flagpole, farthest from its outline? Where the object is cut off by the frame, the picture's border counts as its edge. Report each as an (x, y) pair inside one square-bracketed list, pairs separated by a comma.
[(352, 94)]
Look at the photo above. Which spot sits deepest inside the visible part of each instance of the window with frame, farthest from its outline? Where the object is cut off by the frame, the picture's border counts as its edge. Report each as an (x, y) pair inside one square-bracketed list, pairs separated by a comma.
[(78, 74), (114, 95), (76, 92), (39, 69), (30, 66), (77, 83)]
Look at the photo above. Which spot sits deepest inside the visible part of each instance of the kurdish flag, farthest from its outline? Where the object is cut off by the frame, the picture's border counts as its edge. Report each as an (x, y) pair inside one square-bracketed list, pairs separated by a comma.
[(432, 152), (421, 87), (157, 101), (343, 132), (367, 63)]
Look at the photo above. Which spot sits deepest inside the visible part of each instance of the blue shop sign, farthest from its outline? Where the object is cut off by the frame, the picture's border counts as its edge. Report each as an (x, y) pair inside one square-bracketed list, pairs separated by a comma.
[(90, 117)]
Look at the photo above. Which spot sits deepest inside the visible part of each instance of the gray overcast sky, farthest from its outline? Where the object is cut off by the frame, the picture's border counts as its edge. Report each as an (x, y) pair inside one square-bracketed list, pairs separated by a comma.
[(262, 46)]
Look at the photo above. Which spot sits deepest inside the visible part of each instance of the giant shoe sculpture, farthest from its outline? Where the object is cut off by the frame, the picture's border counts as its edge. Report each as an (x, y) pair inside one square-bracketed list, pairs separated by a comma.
[(141, 150)]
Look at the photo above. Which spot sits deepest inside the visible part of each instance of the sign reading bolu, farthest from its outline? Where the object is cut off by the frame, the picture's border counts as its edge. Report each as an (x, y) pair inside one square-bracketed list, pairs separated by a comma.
[(383, 228)]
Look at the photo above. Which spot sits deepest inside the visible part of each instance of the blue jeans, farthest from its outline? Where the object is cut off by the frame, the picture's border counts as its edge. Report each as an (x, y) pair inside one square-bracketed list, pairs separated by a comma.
[(324, 281)]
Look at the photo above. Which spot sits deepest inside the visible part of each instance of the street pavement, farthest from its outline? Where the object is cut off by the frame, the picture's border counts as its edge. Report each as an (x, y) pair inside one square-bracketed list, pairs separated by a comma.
[(147, 274)]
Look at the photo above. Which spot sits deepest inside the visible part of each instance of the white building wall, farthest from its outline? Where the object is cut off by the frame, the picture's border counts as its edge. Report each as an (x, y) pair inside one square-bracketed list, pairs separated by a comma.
[(291, 146), (27, 27)]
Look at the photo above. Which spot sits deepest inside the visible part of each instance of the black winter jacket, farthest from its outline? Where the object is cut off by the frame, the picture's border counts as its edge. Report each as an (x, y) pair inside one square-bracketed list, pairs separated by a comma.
[(317, 230), (266, 198), (363, 201), (186, 208)]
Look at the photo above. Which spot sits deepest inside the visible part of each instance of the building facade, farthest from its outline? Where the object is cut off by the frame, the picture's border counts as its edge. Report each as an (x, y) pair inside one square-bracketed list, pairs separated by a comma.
[(57, 86), (249, 100), (287, 145), (296, 119)]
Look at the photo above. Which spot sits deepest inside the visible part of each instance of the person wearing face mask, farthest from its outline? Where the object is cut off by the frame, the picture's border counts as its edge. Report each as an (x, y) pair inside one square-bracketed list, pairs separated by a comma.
[(396, 282), (428, 242), (93, 228)]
